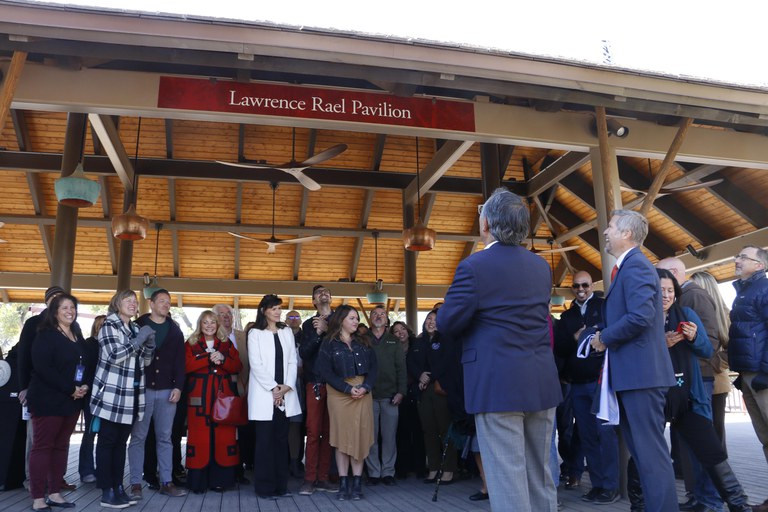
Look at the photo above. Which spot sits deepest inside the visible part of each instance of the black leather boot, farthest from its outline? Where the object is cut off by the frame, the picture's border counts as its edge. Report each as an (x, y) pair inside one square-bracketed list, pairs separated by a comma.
[(357, 488), (634, 488), (729, 487), (343, 493)]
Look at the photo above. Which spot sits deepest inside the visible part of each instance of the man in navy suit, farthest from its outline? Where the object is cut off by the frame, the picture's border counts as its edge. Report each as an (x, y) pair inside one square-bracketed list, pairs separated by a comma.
[(640, 370), (498, 307)]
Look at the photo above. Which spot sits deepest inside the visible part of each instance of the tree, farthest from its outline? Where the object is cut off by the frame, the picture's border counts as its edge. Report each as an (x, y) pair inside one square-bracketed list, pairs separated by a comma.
[(12, 317)]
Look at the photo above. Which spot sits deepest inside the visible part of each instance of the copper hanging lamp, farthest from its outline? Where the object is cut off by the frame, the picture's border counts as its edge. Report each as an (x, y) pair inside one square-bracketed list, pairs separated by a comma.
[(419, 237), (130, 225)]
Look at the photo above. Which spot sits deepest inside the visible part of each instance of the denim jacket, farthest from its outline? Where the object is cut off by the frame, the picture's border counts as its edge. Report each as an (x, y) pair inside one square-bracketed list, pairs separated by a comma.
[(336, 362)]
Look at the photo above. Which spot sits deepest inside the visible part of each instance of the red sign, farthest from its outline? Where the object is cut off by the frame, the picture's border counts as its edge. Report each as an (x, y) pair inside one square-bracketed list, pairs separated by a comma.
[(313, 103)]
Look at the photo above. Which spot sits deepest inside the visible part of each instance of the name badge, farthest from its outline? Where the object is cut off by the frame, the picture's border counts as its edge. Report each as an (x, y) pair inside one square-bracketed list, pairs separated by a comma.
[(79, 373)]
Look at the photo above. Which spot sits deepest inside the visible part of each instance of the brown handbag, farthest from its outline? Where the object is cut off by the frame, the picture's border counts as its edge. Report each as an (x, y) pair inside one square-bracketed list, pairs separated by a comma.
[(229, 409)]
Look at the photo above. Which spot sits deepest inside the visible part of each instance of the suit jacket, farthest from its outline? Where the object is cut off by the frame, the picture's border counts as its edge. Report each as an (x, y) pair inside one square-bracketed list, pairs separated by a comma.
[(261, 356), (498, 307), (634, 327)]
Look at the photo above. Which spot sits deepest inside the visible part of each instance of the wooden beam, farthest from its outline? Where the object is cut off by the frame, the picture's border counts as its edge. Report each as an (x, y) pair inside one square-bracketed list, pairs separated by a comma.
[(36, 194), (233, 287), (666, 166), (722, 252), (302, 222), (169, 139), (201, 169), (555, 172), (10, 82), (19, 120), (106, 210), (365, 214), (110, 139), (444, 158)]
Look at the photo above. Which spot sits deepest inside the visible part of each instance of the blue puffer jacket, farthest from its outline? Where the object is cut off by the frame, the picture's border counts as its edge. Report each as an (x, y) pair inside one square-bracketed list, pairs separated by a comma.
[(748, 336)]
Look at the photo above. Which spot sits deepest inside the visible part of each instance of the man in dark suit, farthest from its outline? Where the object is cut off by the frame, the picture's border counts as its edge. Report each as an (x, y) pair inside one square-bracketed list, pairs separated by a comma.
[(498, 307), (640, 370)]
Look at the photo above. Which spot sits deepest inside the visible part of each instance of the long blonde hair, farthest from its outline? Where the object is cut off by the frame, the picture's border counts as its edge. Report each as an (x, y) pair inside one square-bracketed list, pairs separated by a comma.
[(194, 338), (722, 312)]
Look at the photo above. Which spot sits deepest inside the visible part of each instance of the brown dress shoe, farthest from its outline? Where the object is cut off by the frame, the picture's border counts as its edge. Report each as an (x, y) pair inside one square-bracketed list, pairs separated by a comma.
[(67, 487), (171, 490), (135, 493), (572, 483)]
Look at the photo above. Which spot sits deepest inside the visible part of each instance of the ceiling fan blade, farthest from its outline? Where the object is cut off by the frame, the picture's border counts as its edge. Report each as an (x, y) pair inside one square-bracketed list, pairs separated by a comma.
[(238, 235), (245, 166), (559, 249), (624, 188), (299, 240), (3, 241), (2, 224), (302, 178), (322, 156), (694, 186)]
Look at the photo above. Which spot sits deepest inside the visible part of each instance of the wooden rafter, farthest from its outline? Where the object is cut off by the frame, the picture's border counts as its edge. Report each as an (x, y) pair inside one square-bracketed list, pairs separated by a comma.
[(666, 166), (10, 82)]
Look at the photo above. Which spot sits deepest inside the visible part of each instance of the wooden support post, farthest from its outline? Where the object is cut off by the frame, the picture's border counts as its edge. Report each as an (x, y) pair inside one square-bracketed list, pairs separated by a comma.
[(666, 166), (9, 85), (409, 271)]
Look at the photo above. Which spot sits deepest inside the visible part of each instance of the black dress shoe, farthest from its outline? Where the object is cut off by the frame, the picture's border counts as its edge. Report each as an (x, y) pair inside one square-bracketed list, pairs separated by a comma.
[(218, 488), (688, 505), (63, 504), (479, 496), (373, 480), (448, 482), (430, 480), (388, 480)]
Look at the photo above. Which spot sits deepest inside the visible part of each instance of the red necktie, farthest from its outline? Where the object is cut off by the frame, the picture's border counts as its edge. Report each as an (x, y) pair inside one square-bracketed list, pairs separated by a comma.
[(613, 272)]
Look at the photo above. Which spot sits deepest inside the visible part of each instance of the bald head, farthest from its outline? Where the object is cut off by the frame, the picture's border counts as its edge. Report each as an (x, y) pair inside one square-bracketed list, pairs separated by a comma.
[(674, 265), (582, 286)]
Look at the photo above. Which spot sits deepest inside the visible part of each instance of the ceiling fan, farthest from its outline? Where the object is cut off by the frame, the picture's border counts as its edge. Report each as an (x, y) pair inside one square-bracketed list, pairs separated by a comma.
[(295, 168), (665, 191), (552, 249), (1, 240), (273, 242)]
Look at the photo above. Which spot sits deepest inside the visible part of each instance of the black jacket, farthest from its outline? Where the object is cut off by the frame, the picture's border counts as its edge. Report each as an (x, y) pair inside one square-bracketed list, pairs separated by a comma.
[(576, 370), (54, 363)]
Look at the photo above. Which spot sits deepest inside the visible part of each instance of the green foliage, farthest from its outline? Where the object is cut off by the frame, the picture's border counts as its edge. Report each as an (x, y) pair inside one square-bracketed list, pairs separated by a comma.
[(12, 317)]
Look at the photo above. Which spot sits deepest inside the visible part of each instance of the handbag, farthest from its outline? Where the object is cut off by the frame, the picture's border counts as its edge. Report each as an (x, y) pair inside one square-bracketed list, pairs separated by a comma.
[(229, 409)]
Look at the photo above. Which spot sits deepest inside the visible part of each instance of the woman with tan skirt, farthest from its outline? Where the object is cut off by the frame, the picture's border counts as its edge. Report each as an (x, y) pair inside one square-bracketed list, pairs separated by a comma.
[(347, 363)]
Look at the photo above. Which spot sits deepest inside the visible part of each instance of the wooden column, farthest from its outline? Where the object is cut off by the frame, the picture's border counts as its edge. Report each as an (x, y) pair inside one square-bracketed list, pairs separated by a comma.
[(605, 180), (66, 216), (9, 84), (125, 260), (409, 271)]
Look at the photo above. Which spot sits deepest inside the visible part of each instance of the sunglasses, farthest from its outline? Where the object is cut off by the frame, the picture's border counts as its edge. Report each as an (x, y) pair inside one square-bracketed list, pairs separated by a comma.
[(576, 286), (294, 317)]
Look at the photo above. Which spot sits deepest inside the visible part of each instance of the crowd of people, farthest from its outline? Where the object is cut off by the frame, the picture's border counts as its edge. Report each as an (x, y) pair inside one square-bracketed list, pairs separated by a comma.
[(491, 373)]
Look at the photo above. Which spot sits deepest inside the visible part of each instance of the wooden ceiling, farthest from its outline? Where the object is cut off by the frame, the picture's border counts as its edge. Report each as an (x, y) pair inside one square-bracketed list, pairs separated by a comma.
[(198, 201)]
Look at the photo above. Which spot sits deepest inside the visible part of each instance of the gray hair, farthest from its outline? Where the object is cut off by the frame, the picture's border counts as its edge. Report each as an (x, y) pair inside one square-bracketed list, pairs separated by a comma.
[(508, 217), (634, 222), (761, 254), (114, 303)]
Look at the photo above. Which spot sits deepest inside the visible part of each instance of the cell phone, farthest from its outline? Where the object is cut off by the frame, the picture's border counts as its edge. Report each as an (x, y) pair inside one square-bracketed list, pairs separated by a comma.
[(680, 327)]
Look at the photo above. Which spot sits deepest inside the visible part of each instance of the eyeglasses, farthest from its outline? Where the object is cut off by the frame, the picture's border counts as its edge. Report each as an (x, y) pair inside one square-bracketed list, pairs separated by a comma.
[(480, 209), (576, 286), (294, 317), (743, 257)]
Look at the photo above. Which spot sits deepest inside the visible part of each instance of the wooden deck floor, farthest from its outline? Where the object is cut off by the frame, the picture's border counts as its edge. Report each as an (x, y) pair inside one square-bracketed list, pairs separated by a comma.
[(409, 495)]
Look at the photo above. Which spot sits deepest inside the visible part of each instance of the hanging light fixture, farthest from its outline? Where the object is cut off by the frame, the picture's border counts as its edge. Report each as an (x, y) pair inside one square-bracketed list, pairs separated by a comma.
[(378, 295), (419, 237), (151, 285), (76, 190), (130, 225), (555, 299)]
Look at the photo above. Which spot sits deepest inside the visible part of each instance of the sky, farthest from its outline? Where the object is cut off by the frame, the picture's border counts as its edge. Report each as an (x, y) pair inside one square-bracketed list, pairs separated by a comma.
[(718, 41)]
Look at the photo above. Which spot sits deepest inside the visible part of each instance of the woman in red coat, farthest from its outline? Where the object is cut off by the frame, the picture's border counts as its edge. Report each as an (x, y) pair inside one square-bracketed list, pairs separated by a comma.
[(211, 448)]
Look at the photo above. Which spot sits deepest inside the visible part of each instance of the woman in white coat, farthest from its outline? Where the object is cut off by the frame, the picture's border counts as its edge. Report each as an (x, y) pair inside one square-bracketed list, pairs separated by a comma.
[(272, 396)]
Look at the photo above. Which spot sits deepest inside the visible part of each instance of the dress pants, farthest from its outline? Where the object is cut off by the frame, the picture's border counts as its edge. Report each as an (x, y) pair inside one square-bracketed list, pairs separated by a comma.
[(599, 441), (270, 471), (515, 447), (435, 420), (757, 407), (642, 424), (160, 412), (85, 464), (48, 457), (318, 451), (385, 423)]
